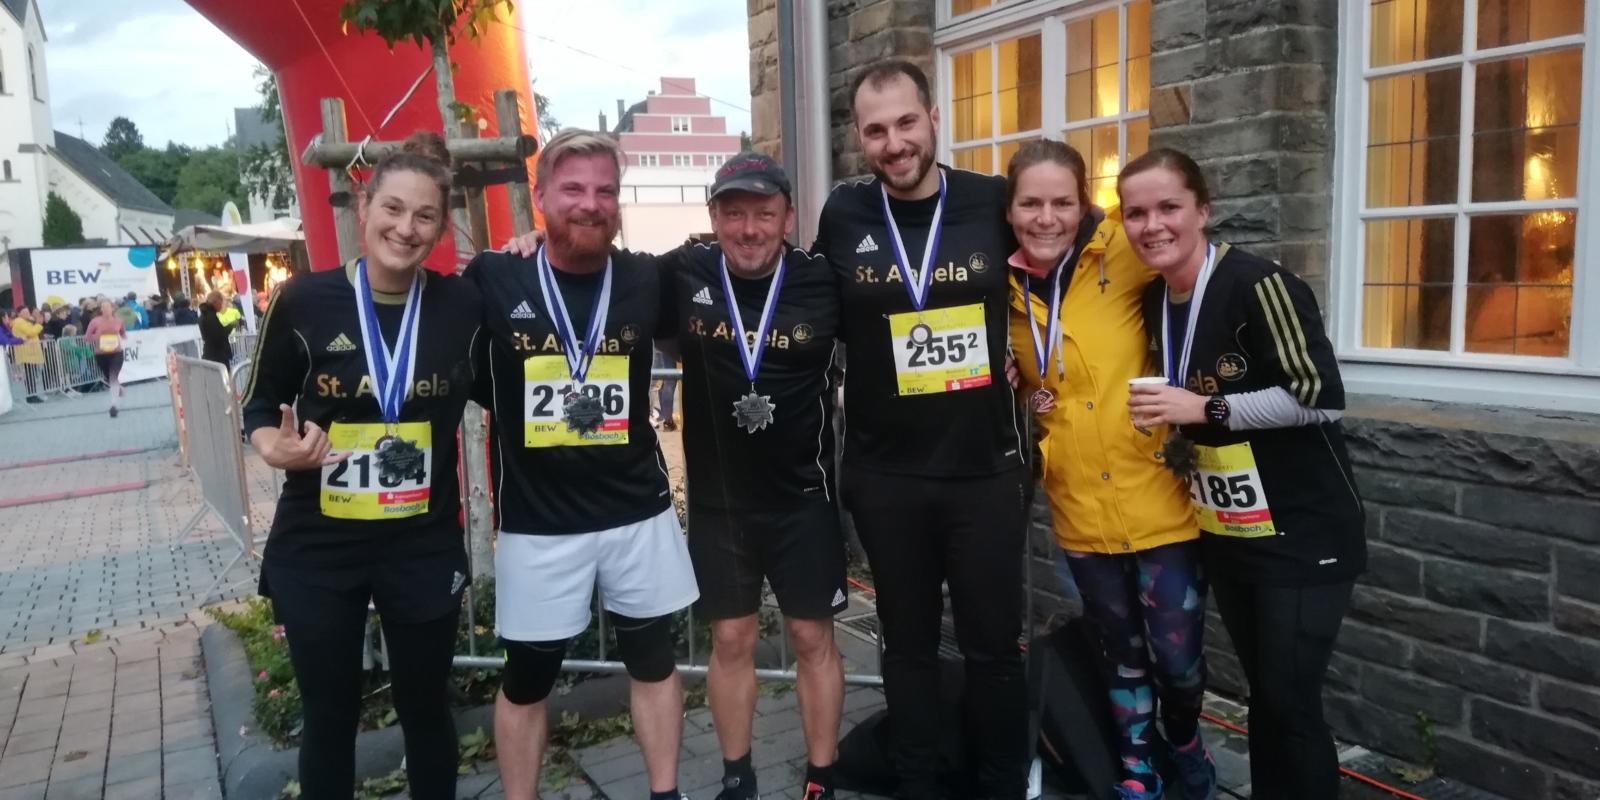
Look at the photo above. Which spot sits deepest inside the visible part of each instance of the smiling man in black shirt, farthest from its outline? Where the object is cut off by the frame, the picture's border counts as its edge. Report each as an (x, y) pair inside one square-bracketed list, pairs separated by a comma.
[(933, 460)]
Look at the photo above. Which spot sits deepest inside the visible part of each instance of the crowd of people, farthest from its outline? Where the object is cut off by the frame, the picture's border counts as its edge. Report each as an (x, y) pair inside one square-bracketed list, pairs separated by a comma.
[(1185, 394)]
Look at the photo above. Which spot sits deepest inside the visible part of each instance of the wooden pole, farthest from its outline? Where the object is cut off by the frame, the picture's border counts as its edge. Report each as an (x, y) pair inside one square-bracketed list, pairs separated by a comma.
[(508, 115), (477, 211), (506, 149), (347, 231)]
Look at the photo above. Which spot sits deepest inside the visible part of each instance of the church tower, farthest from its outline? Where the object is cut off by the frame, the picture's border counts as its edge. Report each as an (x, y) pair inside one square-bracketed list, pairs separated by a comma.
[(26, 128)]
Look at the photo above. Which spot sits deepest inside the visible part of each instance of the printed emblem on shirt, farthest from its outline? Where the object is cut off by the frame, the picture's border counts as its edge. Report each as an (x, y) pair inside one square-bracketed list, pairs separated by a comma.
[(1231, 367), (978, 262), (703, 297), (629, 334), (341, 344), (867, 245), (838, 598), (522, 311), (802, 333)]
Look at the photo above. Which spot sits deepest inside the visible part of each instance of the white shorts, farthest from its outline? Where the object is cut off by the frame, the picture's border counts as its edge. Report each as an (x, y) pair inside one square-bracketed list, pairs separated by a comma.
[(544, 585)]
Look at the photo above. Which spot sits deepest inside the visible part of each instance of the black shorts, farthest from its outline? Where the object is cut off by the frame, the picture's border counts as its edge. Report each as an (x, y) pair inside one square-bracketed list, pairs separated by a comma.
[(800, 551), (108, 363), (409, 589)]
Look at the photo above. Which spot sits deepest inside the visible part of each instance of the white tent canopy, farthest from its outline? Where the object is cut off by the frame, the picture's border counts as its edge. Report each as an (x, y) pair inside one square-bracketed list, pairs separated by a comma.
[(260, 237)]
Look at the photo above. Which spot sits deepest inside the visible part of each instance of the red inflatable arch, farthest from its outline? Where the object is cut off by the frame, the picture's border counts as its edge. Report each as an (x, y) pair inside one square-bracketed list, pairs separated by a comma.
[(301, 41)]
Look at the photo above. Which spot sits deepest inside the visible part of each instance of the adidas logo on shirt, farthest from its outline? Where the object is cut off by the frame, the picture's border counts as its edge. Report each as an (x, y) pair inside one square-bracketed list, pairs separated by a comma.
[(703, 297), (867, 245), (522, 311), (838, 597), (341, 344)]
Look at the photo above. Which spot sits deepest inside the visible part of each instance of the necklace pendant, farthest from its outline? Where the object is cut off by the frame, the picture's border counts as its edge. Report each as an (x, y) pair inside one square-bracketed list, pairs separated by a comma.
[(1180, 456), (583, 412), (753, 412), (1042, 400)]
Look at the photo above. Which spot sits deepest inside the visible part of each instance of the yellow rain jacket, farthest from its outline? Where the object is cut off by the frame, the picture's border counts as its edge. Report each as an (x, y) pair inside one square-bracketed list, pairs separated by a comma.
[(1109, 490), (29, 352)]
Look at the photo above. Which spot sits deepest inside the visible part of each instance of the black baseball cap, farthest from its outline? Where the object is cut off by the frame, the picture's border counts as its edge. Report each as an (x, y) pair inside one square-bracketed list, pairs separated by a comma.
[(751, 172)]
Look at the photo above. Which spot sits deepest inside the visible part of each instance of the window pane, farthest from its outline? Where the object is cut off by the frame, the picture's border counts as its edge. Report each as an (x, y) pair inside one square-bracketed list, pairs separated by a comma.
[(1414, 30), (1020, 78), (1092, 86), (1519, 290), (1406, 292), (1525, 142), (1139, 83), (1007, 150), (1503, 22), (977, 159), (1098, 146), (1138, 137), (971, 92), (1139, 29), (1413, 135), (958, 7)]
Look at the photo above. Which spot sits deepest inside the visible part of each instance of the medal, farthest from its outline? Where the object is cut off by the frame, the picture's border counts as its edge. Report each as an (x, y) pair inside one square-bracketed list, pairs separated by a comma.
[(583, 411), (1052, 328), (918, 282), (399, 461), (753, 411), (391, 371), (1041, 400), (1179, 455)]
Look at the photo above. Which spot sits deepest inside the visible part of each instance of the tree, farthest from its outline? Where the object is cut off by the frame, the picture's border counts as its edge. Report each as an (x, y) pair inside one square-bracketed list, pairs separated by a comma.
[(264, 168), (210, 179), (62, 225), (549, 126), (122, 138), (158, 170), (745, 144)]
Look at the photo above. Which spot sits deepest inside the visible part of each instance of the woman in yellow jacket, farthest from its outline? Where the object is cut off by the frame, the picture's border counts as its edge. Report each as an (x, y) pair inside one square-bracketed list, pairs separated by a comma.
[(29, 354), (1124, 520)]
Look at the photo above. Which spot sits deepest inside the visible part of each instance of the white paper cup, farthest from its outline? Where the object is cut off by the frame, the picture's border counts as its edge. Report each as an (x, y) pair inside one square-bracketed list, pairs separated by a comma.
[(1156, 381)]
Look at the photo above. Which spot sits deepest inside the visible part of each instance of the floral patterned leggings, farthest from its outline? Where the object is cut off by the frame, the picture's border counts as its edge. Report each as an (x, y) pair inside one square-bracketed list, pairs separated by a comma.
[(1149, 608)]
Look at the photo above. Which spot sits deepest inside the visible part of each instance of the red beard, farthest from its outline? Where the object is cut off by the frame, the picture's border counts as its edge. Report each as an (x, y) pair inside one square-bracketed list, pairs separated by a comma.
[(580, 241)]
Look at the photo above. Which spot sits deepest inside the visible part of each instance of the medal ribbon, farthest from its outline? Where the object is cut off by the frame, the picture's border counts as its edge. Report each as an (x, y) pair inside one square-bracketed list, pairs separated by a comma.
[(1175, 376), (579, 354), (1052, 330), (750, 354), (917, 283), (391, 370)]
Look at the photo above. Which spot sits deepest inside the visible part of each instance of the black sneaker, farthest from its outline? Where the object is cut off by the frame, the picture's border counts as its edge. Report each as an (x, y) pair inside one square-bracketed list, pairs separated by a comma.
[(737, 788), (113, 412)]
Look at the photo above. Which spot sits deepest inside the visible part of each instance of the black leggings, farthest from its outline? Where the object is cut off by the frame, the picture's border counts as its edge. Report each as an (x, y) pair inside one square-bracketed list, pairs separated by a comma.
[(326, 653), (1284, 637), (920, 533)]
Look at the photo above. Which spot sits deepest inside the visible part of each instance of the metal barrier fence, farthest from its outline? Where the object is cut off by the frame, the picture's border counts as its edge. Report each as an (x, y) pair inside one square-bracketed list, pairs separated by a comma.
[(213, 445), (52, 366)]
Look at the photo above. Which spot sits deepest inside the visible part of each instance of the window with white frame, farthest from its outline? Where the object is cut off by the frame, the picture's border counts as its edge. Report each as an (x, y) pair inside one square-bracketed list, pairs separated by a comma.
[(33, 74), (1466, 205), (716, 160), (1072, 70), (649, 159), (682, 160), (680, 124)]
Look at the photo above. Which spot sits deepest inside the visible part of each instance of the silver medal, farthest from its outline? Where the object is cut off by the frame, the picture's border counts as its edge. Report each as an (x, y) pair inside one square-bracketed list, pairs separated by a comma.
[(753, 411), (583, 412)]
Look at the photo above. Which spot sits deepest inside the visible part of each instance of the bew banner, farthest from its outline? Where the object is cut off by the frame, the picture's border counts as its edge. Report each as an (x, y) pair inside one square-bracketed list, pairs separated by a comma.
[(144, 353), (69, 274)]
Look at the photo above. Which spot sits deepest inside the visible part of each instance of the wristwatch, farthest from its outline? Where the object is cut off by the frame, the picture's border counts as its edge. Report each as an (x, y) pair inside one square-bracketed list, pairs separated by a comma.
[(1217, 411)]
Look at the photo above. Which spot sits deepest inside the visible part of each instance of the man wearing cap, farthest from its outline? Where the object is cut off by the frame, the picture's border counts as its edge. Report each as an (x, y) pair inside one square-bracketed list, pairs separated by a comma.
[(755, 321)]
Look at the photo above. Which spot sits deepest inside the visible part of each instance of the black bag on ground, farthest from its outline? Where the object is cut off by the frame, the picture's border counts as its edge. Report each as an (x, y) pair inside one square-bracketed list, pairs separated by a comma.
[(1076, 738), (863, 764)]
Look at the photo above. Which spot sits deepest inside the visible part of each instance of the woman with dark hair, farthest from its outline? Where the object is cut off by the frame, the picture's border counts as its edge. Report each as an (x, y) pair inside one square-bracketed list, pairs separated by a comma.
[(1122, 518), (214, 345), (375, 358), (1255, 396)]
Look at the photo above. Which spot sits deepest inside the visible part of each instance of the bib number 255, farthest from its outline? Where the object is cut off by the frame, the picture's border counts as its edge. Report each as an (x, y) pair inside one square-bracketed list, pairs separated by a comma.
[(940, 350)]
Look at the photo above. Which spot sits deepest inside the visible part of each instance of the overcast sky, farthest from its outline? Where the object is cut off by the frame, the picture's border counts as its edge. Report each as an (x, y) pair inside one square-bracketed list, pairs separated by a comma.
[(161, 64)]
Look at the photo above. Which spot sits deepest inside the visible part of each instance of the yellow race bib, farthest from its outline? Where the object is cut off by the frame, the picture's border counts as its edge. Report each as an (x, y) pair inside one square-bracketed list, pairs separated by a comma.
[(940, 350), (1227, 494), (546, 383), (356, 489), (109, 342)]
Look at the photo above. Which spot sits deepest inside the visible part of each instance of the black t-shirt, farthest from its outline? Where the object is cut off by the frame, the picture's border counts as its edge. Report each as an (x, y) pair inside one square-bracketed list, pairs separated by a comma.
[(309, 354), (546, 481), (790, 461), (909, 426), (1258, 328)]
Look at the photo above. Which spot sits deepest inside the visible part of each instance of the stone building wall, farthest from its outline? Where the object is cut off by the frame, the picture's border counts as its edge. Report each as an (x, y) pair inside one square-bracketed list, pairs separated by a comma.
[(1473, 641)]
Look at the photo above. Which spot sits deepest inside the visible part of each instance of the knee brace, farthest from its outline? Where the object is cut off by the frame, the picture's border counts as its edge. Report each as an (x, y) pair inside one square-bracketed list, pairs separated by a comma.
[(645, 646), (531, 669)]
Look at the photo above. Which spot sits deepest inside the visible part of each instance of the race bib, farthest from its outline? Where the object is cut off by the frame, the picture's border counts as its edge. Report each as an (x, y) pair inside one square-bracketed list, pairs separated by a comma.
[(546, 383), (1227, 494), (356, 488), (940, 350), (109, 342)]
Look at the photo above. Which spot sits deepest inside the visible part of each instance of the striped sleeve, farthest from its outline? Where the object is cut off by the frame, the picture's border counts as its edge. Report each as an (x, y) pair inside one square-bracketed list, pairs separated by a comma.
[(1286, 329)]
